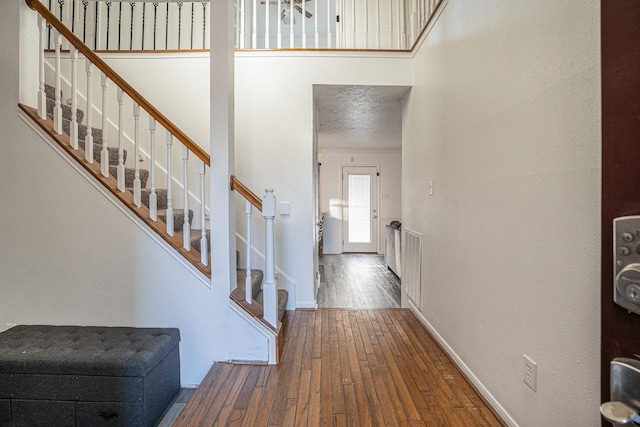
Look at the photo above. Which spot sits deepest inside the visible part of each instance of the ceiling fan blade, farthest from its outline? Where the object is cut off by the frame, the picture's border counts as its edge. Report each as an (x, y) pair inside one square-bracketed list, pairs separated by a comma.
[(307, 14), (270, 3)]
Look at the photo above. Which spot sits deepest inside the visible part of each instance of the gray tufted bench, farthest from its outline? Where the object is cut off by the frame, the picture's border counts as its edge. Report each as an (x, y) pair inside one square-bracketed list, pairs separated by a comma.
[(87, 376)]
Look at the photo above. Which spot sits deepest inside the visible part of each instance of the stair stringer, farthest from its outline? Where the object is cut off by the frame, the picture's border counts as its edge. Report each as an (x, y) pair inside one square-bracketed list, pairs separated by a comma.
[(124, 209), (267, 350)]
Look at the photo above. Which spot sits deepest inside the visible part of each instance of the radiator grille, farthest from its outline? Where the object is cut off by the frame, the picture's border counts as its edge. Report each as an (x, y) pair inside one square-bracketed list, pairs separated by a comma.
[(412, 273)]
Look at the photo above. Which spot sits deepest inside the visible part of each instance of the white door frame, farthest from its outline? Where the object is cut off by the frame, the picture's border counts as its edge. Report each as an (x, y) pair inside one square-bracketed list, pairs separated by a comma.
[(373, 171)]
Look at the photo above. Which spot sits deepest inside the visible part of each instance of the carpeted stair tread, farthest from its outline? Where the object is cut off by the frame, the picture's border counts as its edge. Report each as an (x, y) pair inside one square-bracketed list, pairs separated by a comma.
[(256, 280), (196, 235), (178, 219), (50, 91), (129, 176), (283, 297), (66, 110), (161, 197)]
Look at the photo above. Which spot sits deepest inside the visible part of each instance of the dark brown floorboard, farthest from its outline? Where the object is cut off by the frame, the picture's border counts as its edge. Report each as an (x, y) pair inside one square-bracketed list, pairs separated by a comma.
[(343, 368), (357, 281)]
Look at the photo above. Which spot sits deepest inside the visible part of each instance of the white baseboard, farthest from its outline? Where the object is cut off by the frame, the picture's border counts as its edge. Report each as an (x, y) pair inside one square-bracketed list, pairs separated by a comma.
[(490, 399)]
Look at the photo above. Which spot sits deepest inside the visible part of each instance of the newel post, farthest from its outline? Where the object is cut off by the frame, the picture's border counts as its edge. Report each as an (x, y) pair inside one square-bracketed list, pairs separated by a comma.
[(270, 287)]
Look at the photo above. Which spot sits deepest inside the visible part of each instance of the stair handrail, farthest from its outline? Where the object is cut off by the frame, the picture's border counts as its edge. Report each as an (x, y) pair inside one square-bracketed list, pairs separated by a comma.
[(119, 81), (244, 191)]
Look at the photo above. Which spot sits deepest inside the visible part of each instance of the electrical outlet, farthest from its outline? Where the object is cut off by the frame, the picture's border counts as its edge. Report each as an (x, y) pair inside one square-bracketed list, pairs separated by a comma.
[(530, 373)]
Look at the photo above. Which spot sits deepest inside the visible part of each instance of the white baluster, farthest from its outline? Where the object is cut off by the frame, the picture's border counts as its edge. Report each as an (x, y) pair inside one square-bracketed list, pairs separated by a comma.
[(153, 197), (42, 95), (120, 169), (57, 109), (315, 18), (266, 26), (291, 37), (329, 37), (339, 25), (254, 35), (270, 287), (204, 245), (247, 281), (186, 227), (73, 126), (390, 24), (402, 35), (304, 23), (279, 24), (243, 23), (104, 154), (88, 140), (377, 24), (170, 231), (137, 185), (355, 32)]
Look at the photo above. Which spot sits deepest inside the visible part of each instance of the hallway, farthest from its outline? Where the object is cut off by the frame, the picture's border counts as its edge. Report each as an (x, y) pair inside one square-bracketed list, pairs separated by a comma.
[(357, 281), (342, 368)]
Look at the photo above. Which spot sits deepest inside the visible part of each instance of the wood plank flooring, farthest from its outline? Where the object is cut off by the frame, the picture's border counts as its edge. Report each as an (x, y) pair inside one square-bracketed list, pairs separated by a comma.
[(357, 281), (342, 368)]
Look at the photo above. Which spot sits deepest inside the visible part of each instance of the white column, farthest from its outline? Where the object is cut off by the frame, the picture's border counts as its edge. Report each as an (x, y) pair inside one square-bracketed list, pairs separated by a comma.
[(120, 169), (57, 109), (42, 96), (169, 219), (104, 154), (153, 197), (270, 286), (186, 226), (247, 281), (73, 126), (88, 140)]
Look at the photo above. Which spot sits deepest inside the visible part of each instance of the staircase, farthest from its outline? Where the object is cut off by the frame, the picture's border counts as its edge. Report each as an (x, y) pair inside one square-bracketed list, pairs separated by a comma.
[(260, 310), (255, 308)]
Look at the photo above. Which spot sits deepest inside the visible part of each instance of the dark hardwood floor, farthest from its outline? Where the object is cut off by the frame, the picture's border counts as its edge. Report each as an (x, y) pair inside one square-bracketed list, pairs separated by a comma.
[(342, 368), (357, 281)]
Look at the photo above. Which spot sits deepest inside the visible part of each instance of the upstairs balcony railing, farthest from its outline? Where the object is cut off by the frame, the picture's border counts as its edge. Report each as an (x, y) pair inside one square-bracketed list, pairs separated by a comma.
[(161, 25)]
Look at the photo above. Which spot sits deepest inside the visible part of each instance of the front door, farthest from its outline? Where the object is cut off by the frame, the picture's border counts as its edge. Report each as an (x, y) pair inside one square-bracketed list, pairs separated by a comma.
[(620, 172), (360, 217)]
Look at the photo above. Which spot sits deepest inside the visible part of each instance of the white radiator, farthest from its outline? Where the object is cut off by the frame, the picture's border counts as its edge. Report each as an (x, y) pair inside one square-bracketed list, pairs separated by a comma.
[(412, 271)]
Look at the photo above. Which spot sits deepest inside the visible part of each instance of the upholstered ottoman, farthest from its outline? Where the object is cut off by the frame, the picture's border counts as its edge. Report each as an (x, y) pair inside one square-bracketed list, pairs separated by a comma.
[(87, 376)]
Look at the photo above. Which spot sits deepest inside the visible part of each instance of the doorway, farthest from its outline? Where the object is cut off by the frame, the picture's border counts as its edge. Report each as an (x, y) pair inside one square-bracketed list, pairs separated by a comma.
[(360, 194)]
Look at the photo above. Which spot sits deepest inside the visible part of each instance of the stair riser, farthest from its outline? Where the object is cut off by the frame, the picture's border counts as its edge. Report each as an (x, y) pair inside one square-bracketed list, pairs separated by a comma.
[(161, 198), (97, 153), (129, 176), (66, 110), (178, 220)]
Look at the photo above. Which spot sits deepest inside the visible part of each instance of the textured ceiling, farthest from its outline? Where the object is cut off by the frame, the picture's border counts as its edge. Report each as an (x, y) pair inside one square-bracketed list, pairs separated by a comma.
[(359, 117)]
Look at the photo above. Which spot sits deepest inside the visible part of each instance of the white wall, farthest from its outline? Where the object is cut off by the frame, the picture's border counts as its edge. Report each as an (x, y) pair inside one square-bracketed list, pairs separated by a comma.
[(274, 138), (331, 202), (67, 254), (504, 117)]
